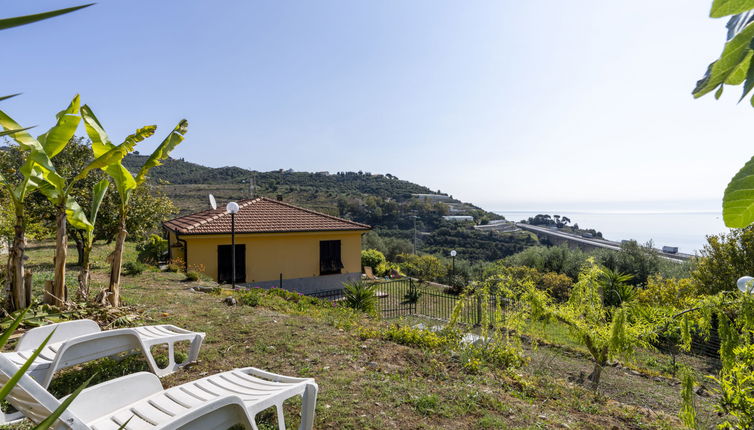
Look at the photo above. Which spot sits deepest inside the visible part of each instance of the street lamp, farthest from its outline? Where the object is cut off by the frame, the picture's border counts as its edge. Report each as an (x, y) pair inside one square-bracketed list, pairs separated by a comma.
[(453, 270), (232, 209), (745, 284)]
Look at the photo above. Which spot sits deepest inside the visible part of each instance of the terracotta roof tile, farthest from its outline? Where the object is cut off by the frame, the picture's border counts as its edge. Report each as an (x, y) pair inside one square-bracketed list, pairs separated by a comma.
[(261, 215)]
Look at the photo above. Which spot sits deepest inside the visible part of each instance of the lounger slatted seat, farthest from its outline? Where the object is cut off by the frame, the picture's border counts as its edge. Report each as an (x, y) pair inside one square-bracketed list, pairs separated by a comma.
[(80, 341), (214, 402)]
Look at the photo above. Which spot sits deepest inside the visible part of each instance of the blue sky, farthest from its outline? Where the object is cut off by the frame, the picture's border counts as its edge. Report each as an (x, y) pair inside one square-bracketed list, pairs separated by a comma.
[(510, 105)]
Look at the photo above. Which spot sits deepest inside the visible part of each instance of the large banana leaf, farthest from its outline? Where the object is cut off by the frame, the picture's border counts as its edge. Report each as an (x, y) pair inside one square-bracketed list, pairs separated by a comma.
[(28, 19), (37, 155), (75, 215), (9, 132), (98, 194), (124, 181), (100, 141), (7, 97), (61, 133), (117, 153), (163, 151)]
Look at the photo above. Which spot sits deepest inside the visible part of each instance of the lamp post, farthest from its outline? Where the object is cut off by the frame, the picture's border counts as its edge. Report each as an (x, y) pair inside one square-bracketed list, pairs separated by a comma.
[(745, 284), (453, 270), (232, 209)]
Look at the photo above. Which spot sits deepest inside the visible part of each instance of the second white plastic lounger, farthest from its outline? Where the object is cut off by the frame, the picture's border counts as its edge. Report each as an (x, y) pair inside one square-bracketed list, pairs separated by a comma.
[(214, 402), (80, 341)]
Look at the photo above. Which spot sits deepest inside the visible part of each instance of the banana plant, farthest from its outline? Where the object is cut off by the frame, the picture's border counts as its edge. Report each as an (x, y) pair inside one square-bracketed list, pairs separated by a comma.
[(98, 194), (59, 193), (125, 183), (36, 170)]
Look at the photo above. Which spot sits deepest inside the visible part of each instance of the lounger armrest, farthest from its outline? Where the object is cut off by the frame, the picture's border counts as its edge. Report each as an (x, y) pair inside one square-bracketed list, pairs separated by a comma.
[(181, 330), (115, 394), (63, 331), (274, 376), (223, 413)]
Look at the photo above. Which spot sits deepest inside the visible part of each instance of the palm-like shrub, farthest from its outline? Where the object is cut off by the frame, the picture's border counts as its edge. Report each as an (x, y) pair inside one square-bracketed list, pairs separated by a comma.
[(360, 296), (615, 287)]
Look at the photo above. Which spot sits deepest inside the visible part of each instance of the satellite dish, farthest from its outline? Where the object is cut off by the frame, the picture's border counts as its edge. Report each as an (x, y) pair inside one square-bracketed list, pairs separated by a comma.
[(745, 284), (212, 202)]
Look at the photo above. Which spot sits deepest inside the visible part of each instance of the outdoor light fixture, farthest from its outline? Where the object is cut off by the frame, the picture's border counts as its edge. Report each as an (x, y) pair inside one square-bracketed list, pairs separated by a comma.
[(453, 270), (745, 284), (232, 209)]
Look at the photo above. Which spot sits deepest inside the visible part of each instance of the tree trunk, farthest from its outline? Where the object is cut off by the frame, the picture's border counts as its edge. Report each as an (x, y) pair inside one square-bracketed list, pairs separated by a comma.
[(49, 296), (28, 279), (115, 265), (600, 360), (79, 247), (84, 274), (594, 377), (16, 286), (61, 249)]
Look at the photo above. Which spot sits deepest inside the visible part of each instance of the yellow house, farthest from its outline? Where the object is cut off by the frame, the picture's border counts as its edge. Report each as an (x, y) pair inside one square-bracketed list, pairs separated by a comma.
[(277, 244)]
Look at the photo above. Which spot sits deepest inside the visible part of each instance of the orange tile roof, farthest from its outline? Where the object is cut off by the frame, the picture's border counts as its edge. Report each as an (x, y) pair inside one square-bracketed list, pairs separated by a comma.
[(261, 215)]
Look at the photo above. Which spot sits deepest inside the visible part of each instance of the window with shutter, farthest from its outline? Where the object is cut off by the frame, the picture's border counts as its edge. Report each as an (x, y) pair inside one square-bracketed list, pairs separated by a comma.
[(329, 257)]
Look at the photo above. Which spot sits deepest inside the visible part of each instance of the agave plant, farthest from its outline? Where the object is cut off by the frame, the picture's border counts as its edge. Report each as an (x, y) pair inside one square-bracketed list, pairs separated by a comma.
[(615, 287), (361, 296), (125, 183)]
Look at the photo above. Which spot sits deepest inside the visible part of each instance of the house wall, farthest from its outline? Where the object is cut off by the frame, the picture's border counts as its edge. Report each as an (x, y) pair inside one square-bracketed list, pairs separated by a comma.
[(295, 255)]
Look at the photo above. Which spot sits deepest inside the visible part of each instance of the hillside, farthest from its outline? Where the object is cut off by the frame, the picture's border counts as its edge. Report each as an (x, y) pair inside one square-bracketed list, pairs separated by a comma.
[(372, 383), (387, 203)]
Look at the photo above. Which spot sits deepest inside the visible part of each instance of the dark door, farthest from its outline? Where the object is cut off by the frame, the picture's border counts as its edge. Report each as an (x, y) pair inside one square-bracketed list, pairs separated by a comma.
[(225, 264)]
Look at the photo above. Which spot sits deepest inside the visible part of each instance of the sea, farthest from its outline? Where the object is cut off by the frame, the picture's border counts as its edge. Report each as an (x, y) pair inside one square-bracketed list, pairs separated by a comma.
[(687, 230)]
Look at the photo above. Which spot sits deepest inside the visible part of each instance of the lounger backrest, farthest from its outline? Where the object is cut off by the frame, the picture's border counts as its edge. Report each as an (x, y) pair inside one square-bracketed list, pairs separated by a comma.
[(32, 400), (63, 331), (84, 349)]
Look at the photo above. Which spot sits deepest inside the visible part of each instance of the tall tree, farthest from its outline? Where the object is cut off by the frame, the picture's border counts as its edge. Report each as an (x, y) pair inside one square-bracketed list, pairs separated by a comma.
[(125, 183)]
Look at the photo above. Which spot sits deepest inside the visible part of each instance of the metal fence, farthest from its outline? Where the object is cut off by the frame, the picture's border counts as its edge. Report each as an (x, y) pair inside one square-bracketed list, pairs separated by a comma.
[(407, 297)]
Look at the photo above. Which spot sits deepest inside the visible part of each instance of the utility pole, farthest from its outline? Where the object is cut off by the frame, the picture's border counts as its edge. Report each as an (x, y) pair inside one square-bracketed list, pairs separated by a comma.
[(415, 234)]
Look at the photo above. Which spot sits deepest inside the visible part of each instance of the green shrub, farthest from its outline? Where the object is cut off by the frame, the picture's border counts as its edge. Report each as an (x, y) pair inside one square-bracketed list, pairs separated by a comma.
[(423, 267), (192, 276), (372, 258), (152, 250), (361, 297), (134, 268), (173, 268), (249, 298), (385, 268)]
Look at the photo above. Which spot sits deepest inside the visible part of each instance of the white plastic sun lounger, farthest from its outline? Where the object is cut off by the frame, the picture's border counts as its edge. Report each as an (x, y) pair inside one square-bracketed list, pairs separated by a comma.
[(80, 341), (214, 402)]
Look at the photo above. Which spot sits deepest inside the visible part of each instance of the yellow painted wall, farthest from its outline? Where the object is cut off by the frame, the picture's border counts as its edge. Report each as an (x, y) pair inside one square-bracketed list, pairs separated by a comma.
[(295, 255)]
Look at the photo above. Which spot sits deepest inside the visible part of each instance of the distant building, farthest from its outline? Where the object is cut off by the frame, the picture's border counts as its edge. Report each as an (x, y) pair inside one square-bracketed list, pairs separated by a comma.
[(458, 218), (670, 249), (323, 173), (433, 197)]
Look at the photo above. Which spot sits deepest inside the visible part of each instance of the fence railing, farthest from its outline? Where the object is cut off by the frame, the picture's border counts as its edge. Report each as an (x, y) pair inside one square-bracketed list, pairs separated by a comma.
[(406, 297)]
